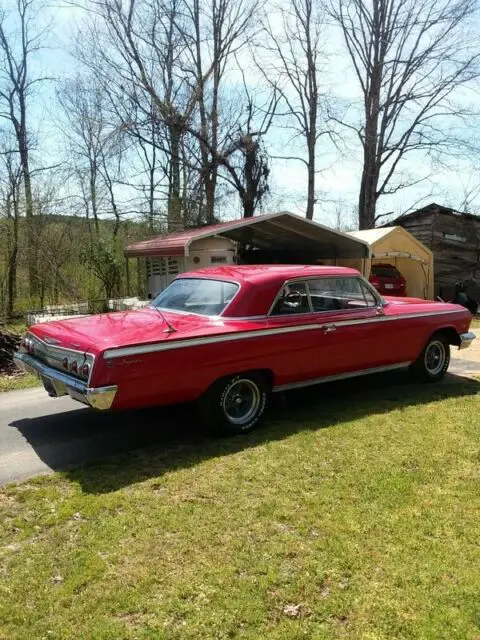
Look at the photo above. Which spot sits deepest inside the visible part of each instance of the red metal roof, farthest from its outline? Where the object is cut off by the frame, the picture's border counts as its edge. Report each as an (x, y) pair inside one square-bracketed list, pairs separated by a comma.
[(175, 244), (283, 230)]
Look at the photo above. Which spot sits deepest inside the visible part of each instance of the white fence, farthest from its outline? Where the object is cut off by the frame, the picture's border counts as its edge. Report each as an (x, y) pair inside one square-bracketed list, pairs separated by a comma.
[(80, 309)]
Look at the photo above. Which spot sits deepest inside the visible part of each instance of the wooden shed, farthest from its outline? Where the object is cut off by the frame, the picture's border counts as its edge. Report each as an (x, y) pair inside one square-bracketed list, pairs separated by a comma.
[(454, 239)]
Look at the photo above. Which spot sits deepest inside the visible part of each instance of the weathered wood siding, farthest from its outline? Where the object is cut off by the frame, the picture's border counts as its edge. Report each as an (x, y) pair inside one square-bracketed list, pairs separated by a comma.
[(454, 239)]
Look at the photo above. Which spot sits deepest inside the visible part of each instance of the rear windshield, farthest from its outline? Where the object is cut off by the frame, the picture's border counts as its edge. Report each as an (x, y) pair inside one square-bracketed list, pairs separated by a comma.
[(196, 295), (385, 272)]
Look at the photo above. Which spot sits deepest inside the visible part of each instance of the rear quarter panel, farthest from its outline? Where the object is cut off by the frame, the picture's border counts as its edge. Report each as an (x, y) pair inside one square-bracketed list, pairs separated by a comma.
[(182, 375), (413, 322)]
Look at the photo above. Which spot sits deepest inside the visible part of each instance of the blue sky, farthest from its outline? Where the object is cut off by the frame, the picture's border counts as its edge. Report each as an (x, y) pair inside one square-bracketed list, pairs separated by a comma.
[(339, 173)]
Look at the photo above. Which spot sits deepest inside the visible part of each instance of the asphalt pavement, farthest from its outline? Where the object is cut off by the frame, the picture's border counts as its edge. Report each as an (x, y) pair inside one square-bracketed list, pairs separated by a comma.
[(39, 434)]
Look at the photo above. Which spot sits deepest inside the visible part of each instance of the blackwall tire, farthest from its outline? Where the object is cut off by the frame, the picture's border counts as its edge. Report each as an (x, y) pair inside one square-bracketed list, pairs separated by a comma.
[(236, 404)]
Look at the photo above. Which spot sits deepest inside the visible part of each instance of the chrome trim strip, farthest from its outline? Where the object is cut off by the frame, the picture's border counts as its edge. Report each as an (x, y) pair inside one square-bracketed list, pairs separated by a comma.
[(172, 343), (466, 340), (386, 318), (52, 348), (168, 345), (97, 397), (340, 376)]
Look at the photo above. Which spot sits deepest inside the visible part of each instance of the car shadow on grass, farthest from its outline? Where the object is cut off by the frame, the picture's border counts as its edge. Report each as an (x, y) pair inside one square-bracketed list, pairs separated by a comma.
[(119, 449)]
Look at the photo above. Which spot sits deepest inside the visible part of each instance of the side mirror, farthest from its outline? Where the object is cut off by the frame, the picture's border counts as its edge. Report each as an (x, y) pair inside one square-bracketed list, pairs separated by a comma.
[(293, 300)]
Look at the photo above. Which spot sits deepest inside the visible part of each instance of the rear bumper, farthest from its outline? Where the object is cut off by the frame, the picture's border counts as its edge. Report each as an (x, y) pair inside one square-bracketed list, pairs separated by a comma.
[(466, 340), (58, 384)]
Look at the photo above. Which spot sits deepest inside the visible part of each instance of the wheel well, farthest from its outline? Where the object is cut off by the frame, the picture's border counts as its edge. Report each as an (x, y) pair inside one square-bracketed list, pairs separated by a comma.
[(450, 334), (267, 374)]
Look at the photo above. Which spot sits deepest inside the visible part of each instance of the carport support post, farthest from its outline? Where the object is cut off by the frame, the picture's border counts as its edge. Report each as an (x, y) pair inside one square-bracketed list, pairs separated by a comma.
[(127, 272), (138, 277)]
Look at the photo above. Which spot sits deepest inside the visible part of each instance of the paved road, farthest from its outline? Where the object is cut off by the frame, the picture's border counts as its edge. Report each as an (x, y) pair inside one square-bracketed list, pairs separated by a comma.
[(39, 434)]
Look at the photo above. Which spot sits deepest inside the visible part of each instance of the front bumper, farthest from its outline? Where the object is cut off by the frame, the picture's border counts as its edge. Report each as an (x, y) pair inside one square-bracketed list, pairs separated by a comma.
[(466, 340), (58, 384)]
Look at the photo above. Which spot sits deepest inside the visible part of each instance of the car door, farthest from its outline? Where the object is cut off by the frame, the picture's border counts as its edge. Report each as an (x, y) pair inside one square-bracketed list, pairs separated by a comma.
[(356, 335), (333, 326)]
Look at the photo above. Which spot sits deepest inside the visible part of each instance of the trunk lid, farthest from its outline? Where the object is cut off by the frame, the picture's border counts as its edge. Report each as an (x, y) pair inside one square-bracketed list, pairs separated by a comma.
[(110, 330)]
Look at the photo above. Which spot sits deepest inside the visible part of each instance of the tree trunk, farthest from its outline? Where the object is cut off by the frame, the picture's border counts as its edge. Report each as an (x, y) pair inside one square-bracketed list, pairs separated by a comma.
[(248, 205), (13, 260), (368, 193), (151, 194), (371, 169), (210, 188), (311, 182), (93, 197), (175, 199), (31, 235)]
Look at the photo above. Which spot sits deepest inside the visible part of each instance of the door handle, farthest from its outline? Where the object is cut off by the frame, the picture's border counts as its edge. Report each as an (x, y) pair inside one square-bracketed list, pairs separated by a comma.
[(330, 328)]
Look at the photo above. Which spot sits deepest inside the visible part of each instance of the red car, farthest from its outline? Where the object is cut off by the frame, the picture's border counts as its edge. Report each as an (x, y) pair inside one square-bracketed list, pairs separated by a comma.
[(387, 280), (230, 336)]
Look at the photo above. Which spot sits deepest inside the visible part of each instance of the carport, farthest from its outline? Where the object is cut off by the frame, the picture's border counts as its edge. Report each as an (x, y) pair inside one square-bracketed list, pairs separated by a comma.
[(396, 246), (274, 238)]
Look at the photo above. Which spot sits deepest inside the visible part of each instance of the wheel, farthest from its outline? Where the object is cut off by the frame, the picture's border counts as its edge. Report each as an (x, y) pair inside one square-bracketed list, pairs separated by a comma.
[(432, 364), (235, 404)]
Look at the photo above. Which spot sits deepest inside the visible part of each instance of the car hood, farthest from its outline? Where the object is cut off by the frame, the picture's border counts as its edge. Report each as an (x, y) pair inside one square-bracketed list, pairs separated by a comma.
[(110, 330)]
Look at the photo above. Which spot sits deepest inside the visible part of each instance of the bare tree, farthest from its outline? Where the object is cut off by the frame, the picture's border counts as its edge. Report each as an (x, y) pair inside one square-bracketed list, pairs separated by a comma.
[(409, 59), (293, 64), (173, 54), (225, 25), (20, 41), (93, 146), (136, 50), (244, 161), (10, 184)]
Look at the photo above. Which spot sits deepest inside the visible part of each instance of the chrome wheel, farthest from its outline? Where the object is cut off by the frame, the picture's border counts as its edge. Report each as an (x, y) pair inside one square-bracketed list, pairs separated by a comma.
[(241, 401), (435, 357)]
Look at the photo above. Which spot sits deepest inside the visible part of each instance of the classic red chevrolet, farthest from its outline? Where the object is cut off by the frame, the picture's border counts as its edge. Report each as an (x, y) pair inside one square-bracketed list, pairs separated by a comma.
[(229, 336)]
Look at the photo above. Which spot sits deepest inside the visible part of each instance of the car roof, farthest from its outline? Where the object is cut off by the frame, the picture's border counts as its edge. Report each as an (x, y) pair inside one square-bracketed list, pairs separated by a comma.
[(268, 273), (261, 283)]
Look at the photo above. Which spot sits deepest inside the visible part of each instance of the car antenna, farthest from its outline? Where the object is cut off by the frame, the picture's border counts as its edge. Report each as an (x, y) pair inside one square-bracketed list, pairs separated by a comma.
[(171, 328)]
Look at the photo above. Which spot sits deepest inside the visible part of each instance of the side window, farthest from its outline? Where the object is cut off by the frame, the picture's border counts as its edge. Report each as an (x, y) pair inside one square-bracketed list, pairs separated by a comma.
[(370, 299), (293, 299), (336, 294)]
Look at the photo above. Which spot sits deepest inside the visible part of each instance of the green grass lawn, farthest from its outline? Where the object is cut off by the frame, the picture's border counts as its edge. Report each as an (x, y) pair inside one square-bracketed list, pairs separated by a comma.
[(353, 513), (16, 382)]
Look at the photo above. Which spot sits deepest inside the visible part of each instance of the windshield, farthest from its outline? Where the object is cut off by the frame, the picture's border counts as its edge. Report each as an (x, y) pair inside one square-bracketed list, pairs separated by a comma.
[(197, 295)]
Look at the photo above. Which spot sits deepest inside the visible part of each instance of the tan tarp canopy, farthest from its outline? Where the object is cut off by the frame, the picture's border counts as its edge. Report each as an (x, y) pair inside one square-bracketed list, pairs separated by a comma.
[(396, 246)]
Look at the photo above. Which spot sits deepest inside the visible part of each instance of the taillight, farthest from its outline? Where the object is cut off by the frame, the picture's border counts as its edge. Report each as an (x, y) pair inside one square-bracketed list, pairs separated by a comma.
[(375, 282), (74, 366), (85, 370), (29, 346), (65, 363)]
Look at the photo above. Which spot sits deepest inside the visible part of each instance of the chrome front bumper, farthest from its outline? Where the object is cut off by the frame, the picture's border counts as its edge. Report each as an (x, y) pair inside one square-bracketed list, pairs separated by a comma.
[(466, 340), (58, 384)]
